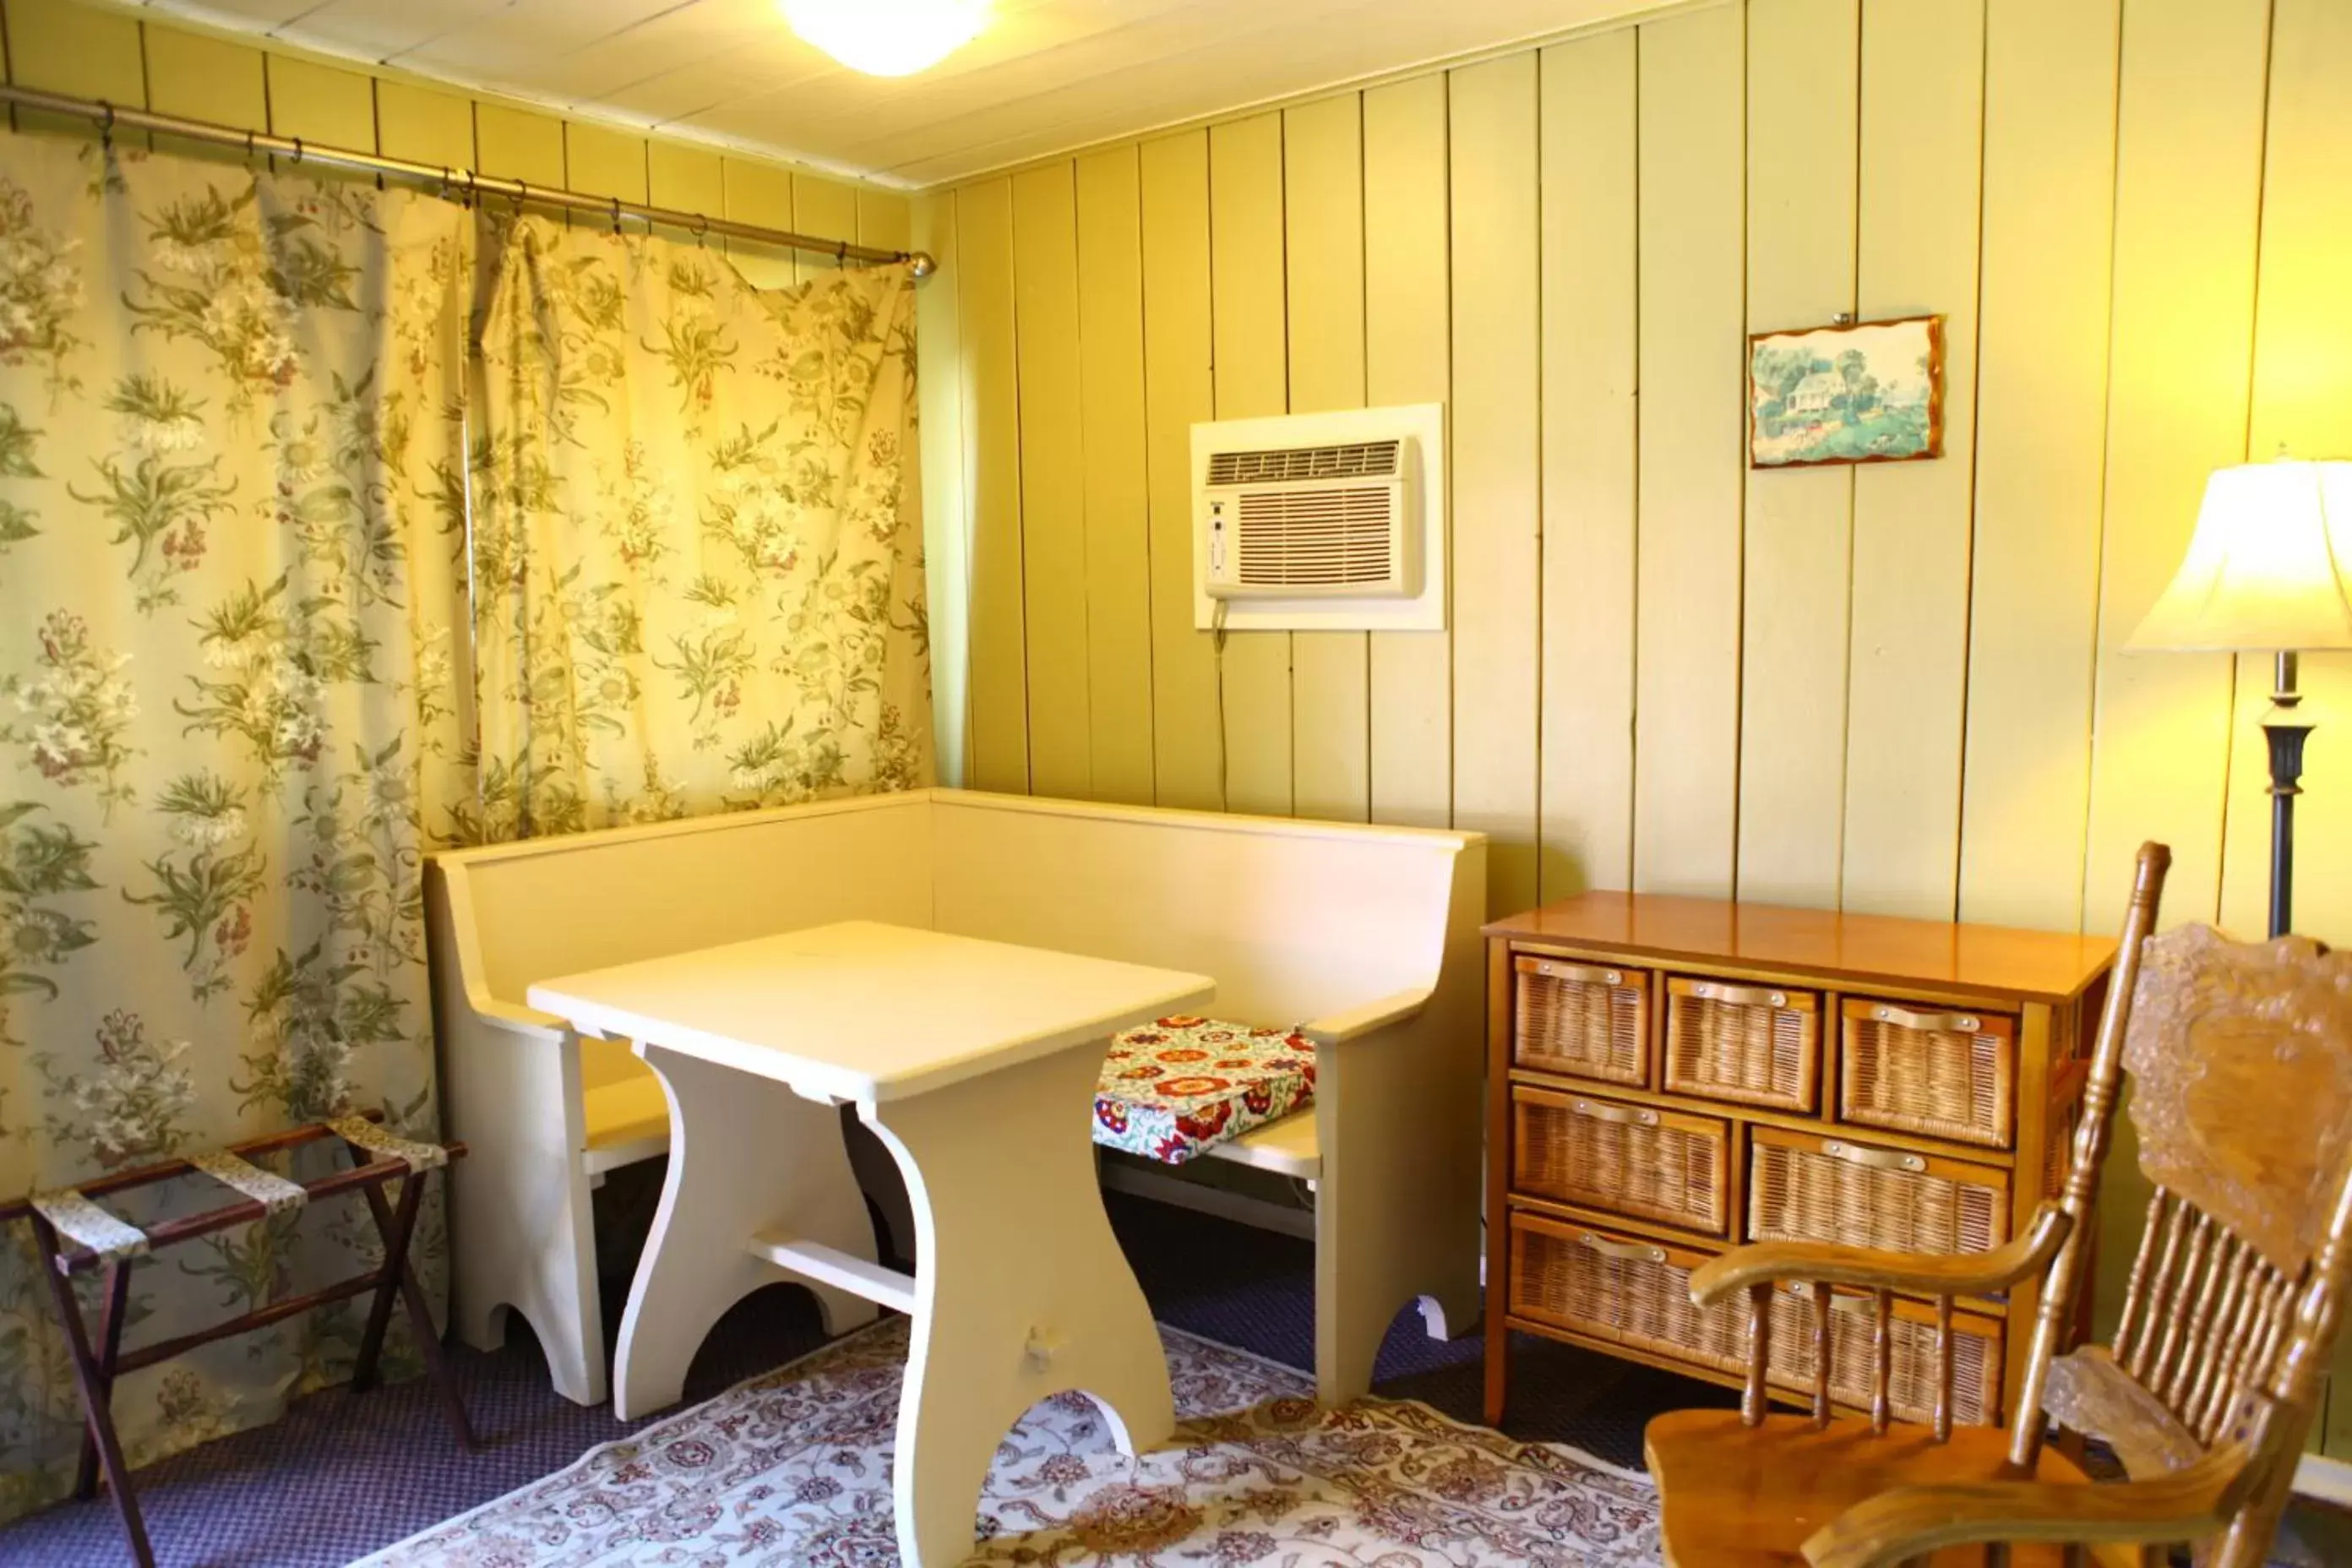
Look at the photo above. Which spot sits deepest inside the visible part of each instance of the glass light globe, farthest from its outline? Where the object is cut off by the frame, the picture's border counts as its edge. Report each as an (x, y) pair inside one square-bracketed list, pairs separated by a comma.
[(888, 37)]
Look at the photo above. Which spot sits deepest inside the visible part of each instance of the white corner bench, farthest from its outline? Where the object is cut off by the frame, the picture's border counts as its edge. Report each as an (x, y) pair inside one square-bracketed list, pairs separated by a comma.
[(1366, 935)]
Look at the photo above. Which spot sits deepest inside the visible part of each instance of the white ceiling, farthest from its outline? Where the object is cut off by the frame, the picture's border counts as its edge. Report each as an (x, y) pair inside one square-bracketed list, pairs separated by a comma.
[(1047, 75)]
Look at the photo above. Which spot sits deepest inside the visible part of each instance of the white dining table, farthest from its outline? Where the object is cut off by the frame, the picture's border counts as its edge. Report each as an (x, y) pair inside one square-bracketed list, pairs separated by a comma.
[(975, 1063)]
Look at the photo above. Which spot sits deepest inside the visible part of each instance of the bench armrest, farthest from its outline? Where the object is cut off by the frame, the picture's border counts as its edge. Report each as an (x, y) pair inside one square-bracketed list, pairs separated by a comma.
[(526, 1021), (1933, 1274), (1337, 1029)]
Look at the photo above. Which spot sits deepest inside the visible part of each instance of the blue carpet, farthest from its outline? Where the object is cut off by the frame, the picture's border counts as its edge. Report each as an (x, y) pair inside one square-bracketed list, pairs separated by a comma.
[(342, 1476)]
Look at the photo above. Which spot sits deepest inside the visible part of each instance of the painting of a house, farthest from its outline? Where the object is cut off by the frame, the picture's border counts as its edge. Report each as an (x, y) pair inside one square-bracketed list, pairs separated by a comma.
[(1871, 392)]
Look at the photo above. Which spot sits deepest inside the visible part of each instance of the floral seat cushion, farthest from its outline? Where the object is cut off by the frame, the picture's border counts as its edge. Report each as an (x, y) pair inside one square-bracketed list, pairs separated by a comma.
[(1173, 1090)]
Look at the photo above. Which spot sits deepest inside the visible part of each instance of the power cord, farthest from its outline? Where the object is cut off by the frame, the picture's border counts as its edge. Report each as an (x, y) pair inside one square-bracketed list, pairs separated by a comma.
[(1217, 642)]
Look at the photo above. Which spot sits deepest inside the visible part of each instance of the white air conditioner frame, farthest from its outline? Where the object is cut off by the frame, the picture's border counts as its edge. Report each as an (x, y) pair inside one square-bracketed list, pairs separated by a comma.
[(1423, 424)]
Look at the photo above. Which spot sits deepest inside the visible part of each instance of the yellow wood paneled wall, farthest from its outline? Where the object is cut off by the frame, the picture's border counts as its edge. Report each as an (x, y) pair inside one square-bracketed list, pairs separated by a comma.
[(91, 52), (1894, 688)]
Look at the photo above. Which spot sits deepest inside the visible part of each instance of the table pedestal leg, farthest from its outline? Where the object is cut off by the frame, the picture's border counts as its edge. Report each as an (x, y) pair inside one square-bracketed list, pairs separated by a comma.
[(1021, 1292), (746, 1155)]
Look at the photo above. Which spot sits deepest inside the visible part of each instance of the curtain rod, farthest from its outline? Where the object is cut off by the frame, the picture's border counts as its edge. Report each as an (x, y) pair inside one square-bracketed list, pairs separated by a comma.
[(115, 116)]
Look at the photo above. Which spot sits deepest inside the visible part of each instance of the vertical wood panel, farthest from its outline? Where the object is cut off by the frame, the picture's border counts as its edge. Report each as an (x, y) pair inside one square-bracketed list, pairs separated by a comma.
[(1922, 115), (885, 219), (761, 193), (1251, 378), (421, 125), (76, 50), (999, 696), (204, 78), (2302, 406), (1408, 358), (1053, 496), (2049, 215), (827, 209), (601, 161), (1802, 66), (1685, 780), (1323, 174), (689, 179), (1590, 316), (1117, 491), (1177, 390), (947, 504), (519, 144), (322, 103), (1498, 562), (2187, 185)]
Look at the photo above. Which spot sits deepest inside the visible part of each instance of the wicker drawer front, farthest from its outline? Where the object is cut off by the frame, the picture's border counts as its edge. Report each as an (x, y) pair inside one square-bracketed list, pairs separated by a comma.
[(1911, 1382), (1949, 1074), (1627, 1159), (1588, 1020), (1615, 1288), (1758, 1044), (1802, 1188)]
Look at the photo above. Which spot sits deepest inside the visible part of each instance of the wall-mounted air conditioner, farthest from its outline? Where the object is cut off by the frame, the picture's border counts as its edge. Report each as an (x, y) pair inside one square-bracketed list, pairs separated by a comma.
[(1321, 521)]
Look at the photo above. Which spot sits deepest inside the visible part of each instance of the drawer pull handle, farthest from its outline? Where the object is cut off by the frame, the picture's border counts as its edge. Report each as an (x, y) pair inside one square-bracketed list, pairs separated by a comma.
[(1876, 1159), (1624, 1115), (1932, 1023), (1741, 995), (1583, 973), (1625, 1251)]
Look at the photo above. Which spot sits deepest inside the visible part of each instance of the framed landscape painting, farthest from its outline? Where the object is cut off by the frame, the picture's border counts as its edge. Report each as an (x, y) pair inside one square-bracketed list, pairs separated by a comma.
[(1864, 392)]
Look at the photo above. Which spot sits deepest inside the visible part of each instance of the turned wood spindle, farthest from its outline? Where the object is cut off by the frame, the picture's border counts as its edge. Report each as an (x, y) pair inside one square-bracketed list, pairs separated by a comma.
[(1753, 1400)]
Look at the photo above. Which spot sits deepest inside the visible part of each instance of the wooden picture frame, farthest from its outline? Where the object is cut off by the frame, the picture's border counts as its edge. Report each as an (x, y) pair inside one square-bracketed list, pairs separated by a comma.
[(1852, 392)]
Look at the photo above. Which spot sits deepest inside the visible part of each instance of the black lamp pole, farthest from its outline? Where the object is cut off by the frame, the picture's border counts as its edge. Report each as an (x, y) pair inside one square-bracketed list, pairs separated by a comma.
[(2283, 728)]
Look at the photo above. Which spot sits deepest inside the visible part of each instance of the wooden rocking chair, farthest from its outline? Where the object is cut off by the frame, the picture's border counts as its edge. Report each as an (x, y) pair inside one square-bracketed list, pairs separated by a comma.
[(2240, 1057)]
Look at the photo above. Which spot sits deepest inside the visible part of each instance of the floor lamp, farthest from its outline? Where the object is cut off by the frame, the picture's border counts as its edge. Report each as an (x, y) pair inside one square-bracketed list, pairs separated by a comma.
[(2269, 570)]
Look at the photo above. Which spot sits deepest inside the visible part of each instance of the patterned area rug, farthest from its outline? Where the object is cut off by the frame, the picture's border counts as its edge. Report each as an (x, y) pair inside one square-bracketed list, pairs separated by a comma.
[(794, 1467)]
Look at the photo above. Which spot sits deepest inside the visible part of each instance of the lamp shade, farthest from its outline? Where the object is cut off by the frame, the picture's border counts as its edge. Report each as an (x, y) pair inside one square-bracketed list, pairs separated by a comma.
[(2270, 565)]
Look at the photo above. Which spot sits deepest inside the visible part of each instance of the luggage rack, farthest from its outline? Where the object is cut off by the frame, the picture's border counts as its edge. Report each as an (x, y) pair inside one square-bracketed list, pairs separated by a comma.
[(75, 1236)]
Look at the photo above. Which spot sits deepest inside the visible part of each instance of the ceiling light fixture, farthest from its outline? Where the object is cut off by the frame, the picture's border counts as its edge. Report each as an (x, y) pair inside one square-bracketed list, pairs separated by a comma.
[(888, 37)]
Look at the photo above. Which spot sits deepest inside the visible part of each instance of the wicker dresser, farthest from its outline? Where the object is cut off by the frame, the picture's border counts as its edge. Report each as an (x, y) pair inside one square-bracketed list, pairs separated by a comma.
[(1670, 1076)]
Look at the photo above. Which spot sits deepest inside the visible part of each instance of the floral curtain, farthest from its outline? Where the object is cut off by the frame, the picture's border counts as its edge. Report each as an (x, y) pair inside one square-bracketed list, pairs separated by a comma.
[(231, 557), (697, 563)]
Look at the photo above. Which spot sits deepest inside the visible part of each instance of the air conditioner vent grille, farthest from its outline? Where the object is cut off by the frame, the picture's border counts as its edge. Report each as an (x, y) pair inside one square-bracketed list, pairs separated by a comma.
[(1331, 537), (1360, 459)]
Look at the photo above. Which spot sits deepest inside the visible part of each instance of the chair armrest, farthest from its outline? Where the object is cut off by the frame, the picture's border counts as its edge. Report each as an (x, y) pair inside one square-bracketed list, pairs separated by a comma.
[(1912, 1523), (1934, 1274), (1337, 1029), (528, 1021)]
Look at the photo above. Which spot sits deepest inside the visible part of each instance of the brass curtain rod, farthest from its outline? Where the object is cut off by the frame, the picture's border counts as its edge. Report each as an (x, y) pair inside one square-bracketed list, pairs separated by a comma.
[(450, 180)]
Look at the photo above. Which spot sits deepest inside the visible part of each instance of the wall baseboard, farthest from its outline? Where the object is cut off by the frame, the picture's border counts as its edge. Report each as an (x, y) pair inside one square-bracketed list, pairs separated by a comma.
[(2324, 1480), (1160, 1187)]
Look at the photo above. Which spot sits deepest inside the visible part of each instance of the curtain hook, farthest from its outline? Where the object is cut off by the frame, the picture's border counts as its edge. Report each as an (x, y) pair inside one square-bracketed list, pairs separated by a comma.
[(106, 126), (841, 257), (617, 217), (473, 192), (249, 149), (298, 151), (521, 195), (702, 229)]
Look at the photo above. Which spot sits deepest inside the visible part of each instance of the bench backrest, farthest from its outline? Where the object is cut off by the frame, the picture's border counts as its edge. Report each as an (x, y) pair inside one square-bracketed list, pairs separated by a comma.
[(549, 907), (1295, 920)]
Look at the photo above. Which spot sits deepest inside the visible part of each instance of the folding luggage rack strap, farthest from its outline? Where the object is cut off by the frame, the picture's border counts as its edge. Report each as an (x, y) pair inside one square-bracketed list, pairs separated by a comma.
[(75, 1236)]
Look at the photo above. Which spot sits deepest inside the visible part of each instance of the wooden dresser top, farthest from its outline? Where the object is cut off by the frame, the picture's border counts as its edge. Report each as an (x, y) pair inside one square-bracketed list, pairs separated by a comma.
[(2029, 964)]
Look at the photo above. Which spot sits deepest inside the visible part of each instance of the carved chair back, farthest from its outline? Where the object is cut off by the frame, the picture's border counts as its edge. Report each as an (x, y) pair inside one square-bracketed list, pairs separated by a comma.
[(2240, 1059)]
